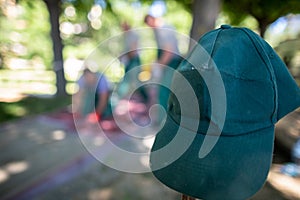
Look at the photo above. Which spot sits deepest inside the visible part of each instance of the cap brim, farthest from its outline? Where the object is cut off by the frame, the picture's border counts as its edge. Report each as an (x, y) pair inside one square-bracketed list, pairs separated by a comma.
[(236, 168)]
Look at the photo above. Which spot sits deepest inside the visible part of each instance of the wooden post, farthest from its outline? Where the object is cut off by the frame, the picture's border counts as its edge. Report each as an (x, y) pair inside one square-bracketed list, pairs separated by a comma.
[(185, 197)]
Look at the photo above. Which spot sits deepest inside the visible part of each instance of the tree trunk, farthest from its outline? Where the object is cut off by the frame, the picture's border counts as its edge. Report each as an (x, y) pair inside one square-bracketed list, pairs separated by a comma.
[(53, 7), (205, 13), (263, 24)]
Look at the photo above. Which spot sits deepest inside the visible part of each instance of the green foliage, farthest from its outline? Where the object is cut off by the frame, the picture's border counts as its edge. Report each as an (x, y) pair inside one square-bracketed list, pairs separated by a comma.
[(182, 20), (31, 106), (24, 32), (263, 10), (186, 4)]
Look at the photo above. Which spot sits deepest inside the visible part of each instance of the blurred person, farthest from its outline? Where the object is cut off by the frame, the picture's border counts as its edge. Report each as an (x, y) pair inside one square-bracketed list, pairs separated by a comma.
[(168, 55), (91, 100), (131, 58), (296, 153), (293, 168)]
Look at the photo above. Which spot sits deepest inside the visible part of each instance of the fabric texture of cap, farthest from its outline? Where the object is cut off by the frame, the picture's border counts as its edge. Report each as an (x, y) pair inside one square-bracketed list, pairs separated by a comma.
[(259, 91)]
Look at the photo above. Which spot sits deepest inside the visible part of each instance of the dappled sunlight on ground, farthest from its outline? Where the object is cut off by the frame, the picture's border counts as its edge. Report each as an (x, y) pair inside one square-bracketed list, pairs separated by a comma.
[(47, 156), (58, 135), (12, 168), (3, 175)]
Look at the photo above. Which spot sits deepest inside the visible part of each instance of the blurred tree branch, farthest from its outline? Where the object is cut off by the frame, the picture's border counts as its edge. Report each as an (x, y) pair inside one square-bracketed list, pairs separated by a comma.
[(264, 11)]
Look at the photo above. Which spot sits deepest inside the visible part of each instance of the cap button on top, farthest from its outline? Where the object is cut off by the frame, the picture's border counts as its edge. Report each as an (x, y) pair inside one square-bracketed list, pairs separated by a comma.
[(225, 26)]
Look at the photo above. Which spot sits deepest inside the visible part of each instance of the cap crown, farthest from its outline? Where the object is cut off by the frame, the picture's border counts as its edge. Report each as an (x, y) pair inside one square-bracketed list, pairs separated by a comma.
[(248, 73), (241, 88)]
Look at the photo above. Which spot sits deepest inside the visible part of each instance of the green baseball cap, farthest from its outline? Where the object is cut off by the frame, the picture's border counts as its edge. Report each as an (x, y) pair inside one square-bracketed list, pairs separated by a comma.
[(217, 141)]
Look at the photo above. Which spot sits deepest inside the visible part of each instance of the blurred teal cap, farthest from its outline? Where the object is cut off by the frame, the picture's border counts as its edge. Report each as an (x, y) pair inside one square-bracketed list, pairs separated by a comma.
[(259, 90)]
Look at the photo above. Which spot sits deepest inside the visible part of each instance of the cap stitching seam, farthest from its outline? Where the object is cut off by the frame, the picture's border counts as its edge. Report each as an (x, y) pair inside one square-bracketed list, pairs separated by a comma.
[(258, 48), (222, 135), (240, 78)]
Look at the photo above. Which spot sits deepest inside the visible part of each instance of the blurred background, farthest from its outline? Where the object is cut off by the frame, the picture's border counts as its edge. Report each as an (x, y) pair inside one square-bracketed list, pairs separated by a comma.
[(43, 46)]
